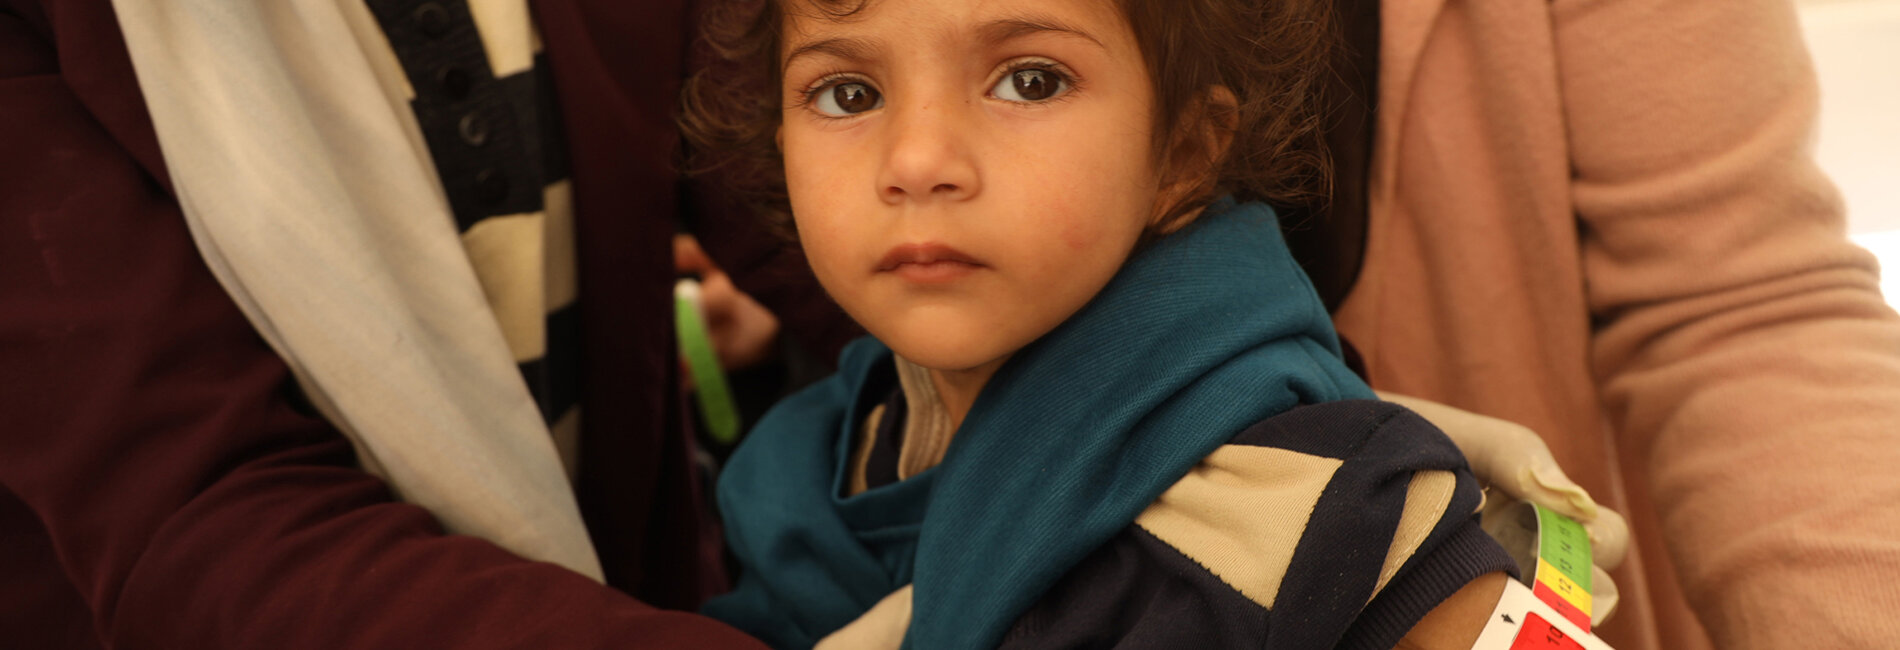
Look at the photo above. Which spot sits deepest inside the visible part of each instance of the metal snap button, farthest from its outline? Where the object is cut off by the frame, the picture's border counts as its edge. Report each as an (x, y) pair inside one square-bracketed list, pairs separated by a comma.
[(432, 19), (473, 130), (455, 82)]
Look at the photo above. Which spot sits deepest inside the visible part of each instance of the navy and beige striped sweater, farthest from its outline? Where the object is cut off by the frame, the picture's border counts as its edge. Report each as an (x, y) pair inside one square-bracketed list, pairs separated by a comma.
[(1269, 542)]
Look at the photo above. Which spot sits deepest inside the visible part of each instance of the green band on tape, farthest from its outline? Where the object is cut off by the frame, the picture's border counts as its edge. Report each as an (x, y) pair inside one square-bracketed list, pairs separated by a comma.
[(716, 410), (1564, 544)]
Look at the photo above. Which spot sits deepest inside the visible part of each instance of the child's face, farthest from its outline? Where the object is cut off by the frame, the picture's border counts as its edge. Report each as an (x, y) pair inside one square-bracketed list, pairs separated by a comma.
[(966, 174)]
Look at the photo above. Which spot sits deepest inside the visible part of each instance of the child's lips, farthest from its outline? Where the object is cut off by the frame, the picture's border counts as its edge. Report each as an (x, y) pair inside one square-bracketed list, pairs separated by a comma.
[(928, 263)]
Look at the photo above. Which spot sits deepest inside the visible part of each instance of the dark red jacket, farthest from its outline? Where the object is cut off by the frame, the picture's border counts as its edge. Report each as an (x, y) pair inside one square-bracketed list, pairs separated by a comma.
[(158, 488)]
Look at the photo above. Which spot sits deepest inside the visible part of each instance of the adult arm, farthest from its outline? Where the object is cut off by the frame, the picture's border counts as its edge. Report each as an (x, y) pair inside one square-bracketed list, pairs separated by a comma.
[(152, 433), (1742, 347)]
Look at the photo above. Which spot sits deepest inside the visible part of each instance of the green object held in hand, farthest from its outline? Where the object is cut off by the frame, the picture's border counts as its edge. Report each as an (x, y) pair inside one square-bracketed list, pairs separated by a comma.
[(710, 392)]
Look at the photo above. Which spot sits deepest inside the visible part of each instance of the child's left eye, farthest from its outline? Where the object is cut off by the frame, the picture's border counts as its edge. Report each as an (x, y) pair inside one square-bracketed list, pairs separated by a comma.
[(1031, 85)]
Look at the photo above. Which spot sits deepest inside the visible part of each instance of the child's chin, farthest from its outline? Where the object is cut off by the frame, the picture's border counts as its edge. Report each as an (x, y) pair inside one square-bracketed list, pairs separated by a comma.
[(940, 360), (945, 355)]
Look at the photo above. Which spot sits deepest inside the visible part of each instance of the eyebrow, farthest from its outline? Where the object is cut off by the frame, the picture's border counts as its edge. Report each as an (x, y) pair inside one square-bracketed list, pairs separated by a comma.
[(1007, 29), (992, 33), (849, 49)]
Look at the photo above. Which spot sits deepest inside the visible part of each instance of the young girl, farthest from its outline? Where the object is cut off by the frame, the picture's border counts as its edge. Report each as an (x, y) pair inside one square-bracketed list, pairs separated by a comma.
[(1102, 406)]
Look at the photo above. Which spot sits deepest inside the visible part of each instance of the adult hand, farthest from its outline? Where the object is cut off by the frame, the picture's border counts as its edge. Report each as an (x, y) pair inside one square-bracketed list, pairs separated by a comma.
[(1514, 460), (743, 331)]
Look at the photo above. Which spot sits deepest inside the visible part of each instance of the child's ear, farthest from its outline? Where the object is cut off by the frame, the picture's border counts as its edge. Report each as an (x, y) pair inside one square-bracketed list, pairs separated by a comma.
[(1195, 161), (1220, 117)]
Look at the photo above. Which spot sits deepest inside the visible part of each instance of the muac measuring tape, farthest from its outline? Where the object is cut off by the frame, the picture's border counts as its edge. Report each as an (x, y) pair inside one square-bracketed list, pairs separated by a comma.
[(716, 409), (1551, 609)]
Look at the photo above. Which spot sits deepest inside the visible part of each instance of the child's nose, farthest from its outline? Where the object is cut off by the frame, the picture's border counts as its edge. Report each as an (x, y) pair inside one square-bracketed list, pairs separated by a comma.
[(929, 156)]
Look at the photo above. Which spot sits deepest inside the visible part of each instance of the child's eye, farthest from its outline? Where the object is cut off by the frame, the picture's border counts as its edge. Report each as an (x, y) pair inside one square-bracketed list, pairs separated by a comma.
[(845, 99), (1031, 85)]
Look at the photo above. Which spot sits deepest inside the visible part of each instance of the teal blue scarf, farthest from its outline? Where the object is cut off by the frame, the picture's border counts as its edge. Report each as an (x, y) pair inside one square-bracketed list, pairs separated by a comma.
[(1209, 330)]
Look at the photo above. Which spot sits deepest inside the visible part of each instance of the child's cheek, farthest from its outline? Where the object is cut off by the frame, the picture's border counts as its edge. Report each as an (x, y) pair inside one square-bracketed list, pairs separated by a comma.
[(1080, 237), (1094, 228)]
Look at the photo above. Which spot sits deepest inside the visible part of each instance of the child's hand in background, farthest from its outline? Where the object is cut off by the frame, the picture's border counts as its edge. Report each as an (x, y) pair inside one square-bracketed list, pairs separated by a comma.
[(743, 331)]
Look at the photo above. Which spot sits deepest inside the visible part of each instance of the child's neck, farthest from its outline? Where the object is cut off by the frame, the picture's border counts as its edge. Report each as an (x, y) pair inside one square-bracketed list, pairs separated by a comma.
[(958, 388)]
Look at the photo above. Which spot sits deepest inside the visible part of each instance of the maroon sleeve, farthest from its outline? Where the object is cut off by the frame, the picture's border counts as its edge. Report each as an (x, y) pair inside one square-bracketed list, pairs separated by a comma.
[(147, 427)]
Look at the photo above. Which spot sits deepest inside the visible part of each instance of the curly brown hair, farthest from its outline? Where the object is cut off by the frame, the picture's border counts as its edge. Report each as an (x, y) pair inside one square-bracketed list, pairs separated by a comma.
[(1273, 55)]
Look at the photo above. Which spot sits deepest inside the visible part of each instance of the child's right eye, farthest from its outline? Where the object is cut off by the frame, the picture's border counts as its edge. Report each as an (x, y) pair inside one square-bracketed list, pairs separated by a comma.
[(847, 98)]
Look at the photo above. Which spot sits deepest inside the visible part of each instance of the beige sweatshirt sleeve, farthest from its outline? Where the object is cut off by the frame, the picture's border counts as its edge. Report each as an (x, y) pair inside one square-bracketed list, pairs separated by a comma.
[(1742, 347)]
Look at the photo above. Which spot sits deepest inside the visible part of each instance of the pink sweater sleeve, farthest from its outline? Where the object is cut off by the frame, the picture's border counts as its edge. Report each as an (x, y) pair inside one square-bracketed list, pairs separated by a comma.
[(1742, 348)]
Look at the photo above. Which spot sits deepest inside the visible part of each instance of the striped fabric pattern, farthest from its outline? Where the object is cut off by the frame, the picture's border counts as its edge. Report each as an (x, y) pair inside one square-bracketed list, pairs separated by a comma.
[(477, 83), (1331, 525)]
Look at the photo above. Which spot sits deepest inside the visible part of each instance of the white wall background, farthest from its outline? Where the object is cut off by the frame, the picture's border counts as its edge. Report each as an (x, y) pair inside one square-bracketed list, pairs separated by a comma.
[(1856, 48)]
